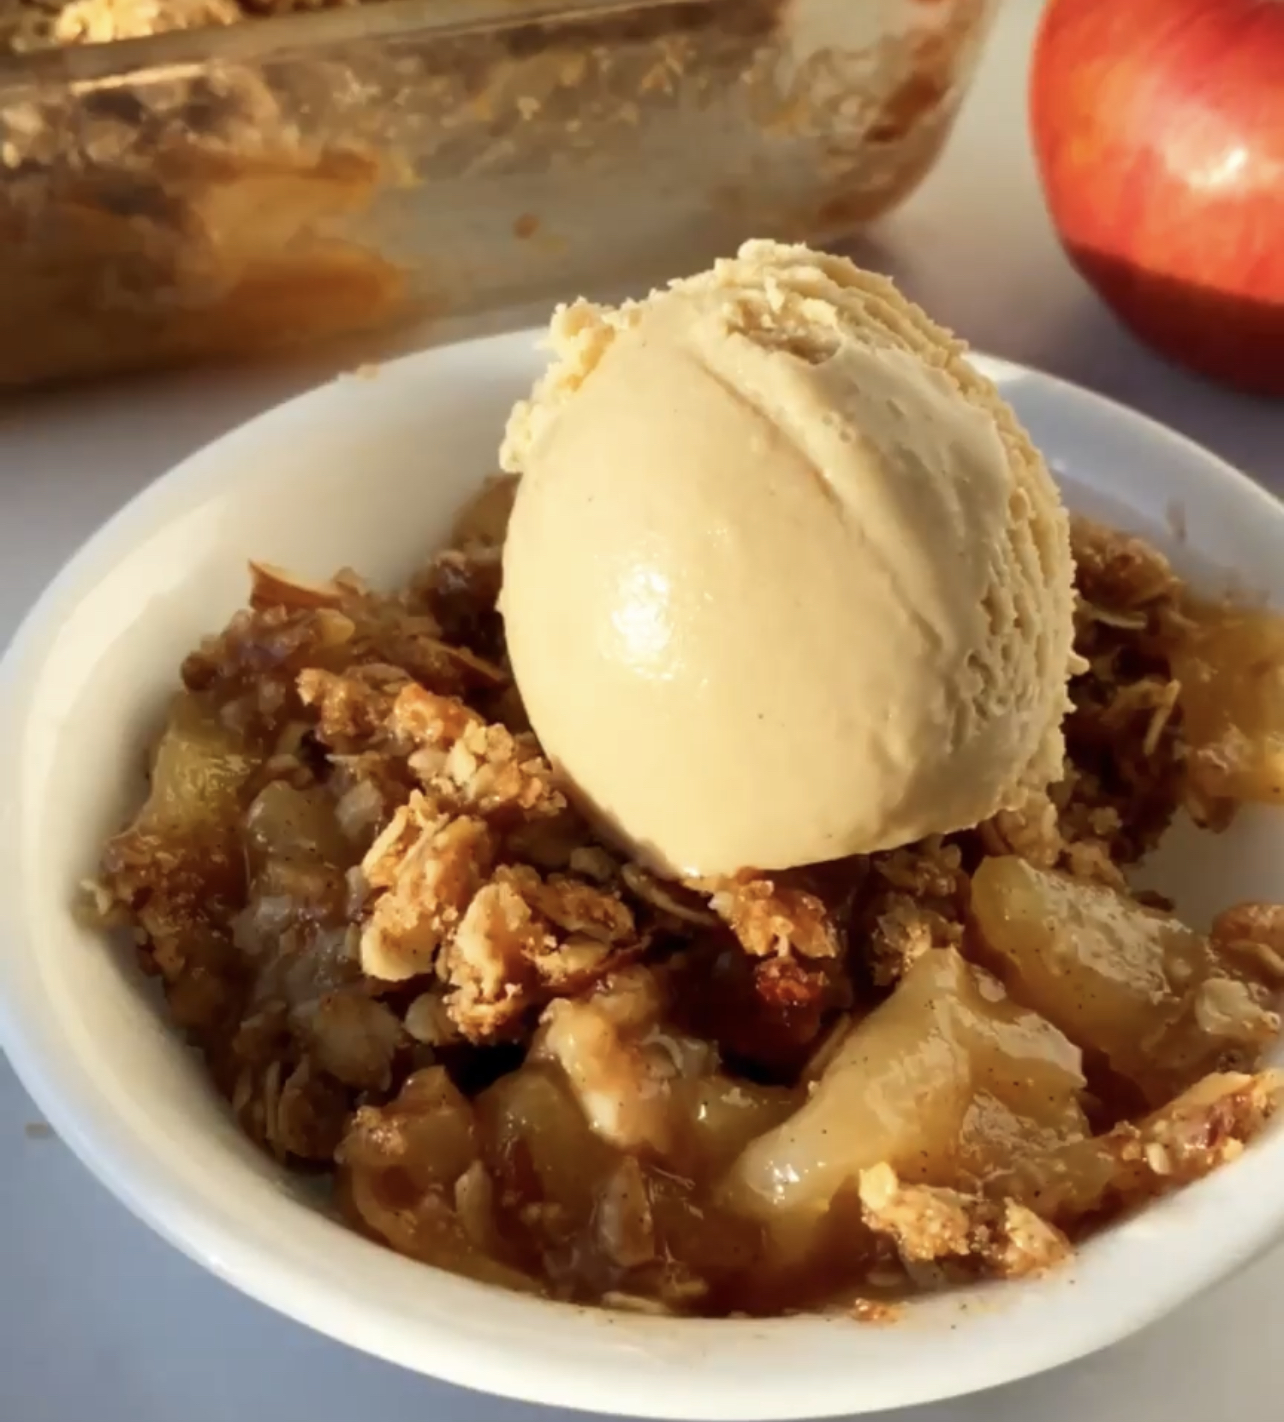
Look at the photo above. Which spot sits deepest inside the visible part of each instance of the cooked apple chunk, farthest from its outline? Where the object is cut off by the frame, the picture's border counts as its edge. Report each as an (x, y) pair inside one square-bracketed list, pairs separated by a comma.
[(945, 1082), (1158, 1001), (1206, 1127), (1231, 670), (180, 866), (1015, 1226)]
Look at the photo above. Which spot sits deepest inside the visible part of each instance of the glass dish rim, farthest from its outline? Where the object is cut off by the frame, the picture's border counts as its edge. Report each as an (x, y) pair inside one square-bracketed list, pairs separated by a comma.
[(105, 64)]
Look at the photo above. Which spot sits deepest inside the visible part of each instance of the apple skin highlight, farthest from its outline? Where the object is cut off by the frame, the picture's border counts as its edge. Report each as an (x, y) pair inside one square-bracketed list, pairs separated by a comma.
[(1158, 130)]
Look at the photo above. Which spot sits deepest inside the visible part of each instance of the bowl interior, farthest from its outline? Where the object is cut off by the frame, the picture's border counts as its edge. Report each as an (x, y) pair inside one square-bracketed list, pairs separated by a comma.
[(368, 473)]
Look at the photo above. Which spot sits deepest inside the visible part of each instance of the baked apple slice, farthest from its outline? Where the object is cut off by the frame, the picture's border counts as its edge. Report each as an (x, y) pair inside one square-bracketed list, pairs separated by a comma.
[(946, 1081), (1154, 998)]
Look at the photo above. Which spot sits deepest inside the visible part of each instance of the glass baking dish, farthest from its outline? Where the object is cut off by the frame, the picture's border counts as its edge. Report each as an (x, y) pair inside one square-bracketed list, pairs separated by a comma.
[(216, 193)]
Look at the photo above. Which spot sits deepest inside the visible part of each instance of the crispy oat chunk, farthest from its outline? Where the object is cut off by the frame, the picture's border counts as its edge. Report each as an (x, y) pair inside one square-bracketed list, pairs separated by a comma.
[(445, 744), (295, 626), (492, 771), (525, 940), (915, 900), (491, 959), (775, 920), (387, 734), (931, 1223), (421, 721), (1123, 735), (766, 999), (352, 707), (424, 871), (1118, 573)]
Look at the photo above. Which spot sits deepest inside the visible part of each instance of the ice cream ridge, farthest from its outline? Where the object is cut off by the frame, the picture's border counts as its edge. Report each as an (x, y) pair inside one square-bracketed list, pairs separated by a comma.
[(785, 579)]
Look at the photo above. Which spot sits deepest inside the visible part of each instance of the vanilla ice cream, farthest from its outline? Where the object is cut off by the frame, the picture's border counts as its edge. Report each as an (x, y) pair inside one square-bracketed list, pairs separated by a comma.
[(785, 579)]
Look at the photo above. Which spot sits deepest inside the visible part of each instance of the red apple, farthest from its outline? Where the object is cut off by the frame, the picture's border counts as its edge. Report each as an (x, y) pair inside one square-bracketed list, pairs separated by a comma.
[(1159, 132)]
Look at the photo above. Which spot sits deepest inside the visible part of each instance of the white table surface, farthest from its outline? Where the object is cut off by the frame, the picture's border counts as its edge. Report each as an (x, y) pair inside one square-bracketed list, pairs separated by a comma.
[(101, 1321)]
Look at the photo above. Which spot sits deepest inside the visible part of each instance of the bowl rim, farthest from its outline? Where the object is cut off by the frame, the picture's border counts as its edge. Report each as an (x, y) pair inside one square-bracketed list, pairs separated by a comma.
[(666, 1384)]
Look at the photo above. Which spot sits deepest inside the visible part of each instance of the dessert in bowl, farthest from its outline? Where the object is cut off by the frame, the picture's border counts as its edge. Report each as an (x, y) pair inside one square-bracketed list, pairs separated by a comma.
[(629, 1112)]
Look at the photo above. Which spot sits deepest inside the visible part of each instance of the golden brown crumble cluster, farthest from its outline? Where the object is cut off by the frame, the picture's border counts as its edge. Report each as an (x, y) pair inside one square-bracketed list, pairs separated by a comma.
[(407, 958)]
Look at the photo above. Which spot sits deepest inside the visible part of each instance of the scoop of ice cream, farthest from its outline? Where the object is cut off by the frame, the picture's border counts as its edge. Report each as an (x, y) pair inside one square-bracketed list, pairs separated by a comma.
[(785, 579)]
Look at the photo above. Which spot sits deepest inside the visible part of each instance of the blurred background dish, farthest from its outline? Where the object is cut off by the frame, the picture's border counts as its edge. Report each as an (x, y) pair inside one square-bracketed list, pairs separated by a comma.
[(245, 181)]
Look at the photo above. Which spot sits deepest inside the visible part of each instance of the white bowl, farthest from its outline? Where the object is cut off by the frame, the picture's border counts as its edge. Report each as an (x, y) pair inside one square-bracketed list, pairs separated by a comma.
[(368, 473)]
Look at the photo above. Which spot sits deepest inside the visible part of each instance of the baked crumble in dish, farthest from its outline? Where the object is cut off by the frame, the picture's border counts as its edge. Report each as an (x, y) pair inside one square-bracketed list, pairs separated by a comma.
[(411, 967)]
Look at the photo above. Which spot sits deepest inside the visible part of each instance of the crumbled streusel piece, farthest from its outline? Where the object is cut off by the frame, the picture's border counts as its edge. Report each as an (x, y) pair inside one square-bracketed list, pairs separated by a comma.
[(1115, 571), (930, 1223), (428, 866), (902, 933), (573, 905), (926, 1221), (525, 940), (488, 961), (491, 770), (1253, 936), (419, 719), (876, 1311), (1030, 831), (609, 1046), (446, 745), (914, 899), (325, 630), (1125, 752), (352, 708), (483, 767), (100, 21), (795, 961), (775, 920), (1204, 1128), (1022, 1243)]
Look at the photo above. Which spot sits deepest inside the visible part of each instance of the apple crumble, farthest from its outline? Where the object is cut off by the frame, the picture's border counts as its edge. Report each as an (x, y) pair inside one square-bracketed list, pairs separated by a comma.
[(245, 177), (410, 965)]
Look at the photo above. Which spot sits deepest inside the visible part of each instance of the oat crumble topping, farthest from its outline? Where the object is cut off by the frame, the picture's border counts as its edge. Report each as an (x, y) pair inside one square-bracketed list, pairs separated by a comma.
[(409, 961)]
